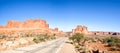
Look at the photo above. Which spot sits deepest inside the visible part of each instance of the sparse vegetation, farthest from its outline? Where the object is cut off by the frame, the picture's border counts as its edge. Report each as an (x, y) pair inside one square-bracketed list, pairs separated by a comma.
[(36, 40), (113, 49), (76, 38), (2, 37), (41, 38), (112, 42)]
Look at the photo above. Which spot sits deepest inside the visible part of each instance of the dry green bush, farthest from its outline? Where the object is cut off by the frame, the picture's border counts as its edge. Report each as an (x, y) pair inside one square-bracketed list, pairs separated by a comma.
[(43, 37)]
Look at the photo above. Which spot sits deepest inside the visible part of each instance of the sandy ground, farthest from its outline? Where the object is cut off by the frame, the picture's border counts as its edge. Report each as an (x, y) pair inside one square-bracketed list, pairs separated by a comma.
[(67, 48), (44, 47)]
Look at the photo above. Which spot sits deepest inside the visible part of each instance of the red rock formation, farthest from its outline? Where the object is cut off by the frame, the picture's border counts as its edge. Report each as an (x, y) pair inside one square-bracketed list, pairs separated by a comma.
[(29, 26), (80, 29), (103, 33), (1, 26), (55, 31), (84, 30)]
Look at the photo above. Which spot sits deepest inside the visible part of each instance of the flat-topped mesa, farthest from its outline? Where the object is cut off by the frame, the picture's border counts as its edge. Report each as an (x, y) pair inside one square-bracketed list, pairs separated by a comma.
[(35, 24), (80, 29), (28, 26)]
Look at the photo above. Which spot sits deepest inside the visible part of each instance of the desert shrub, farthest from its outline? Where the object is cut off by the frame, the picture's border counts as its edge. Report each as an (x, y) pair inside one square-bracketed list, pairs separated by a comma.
[(43, 37), (77, 37), (25, 35), (100, 39), (36, 40), (78, 47), (111, 44), (93, 39), (104, 41), (112, 49), (52, 37), (2, 37), (117, 40), (112, 41), (39, 38), (118, 45)]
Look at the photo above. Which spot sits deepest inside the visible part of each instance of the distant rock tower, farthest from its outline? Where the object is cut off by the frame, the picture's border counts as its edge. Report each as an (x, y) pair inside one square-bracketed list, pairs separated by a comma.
[(80, 29)]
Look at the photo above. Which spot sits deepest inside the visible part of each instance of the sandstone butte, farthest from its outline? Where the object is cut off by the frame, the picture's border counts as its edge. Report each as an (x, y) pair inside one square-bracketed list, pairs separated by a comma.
[(36, 26), (84, 30), (80, 29)]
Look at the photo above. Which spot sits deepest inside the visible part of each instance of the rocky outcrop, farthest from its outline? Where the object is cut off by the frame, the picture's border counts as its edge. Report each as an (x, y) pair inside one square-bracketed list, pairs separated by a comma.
[(80, 29), (28, 26), (84, 30), (57, 32), (103, 33)]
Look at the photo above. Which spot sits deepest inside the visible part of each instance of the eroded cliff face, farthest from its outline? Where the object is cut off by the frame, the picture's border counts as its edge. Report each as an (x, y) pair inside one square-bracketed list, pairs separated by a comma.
[(84, 30), (38, 26), (28, 26), (80, 29), (15, 34)]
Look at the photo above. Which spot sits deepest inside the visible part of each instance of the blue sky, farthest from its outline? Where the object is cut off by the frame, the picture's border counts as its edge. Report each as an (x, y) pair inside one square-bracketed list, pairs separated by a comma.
[(97, 15)]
